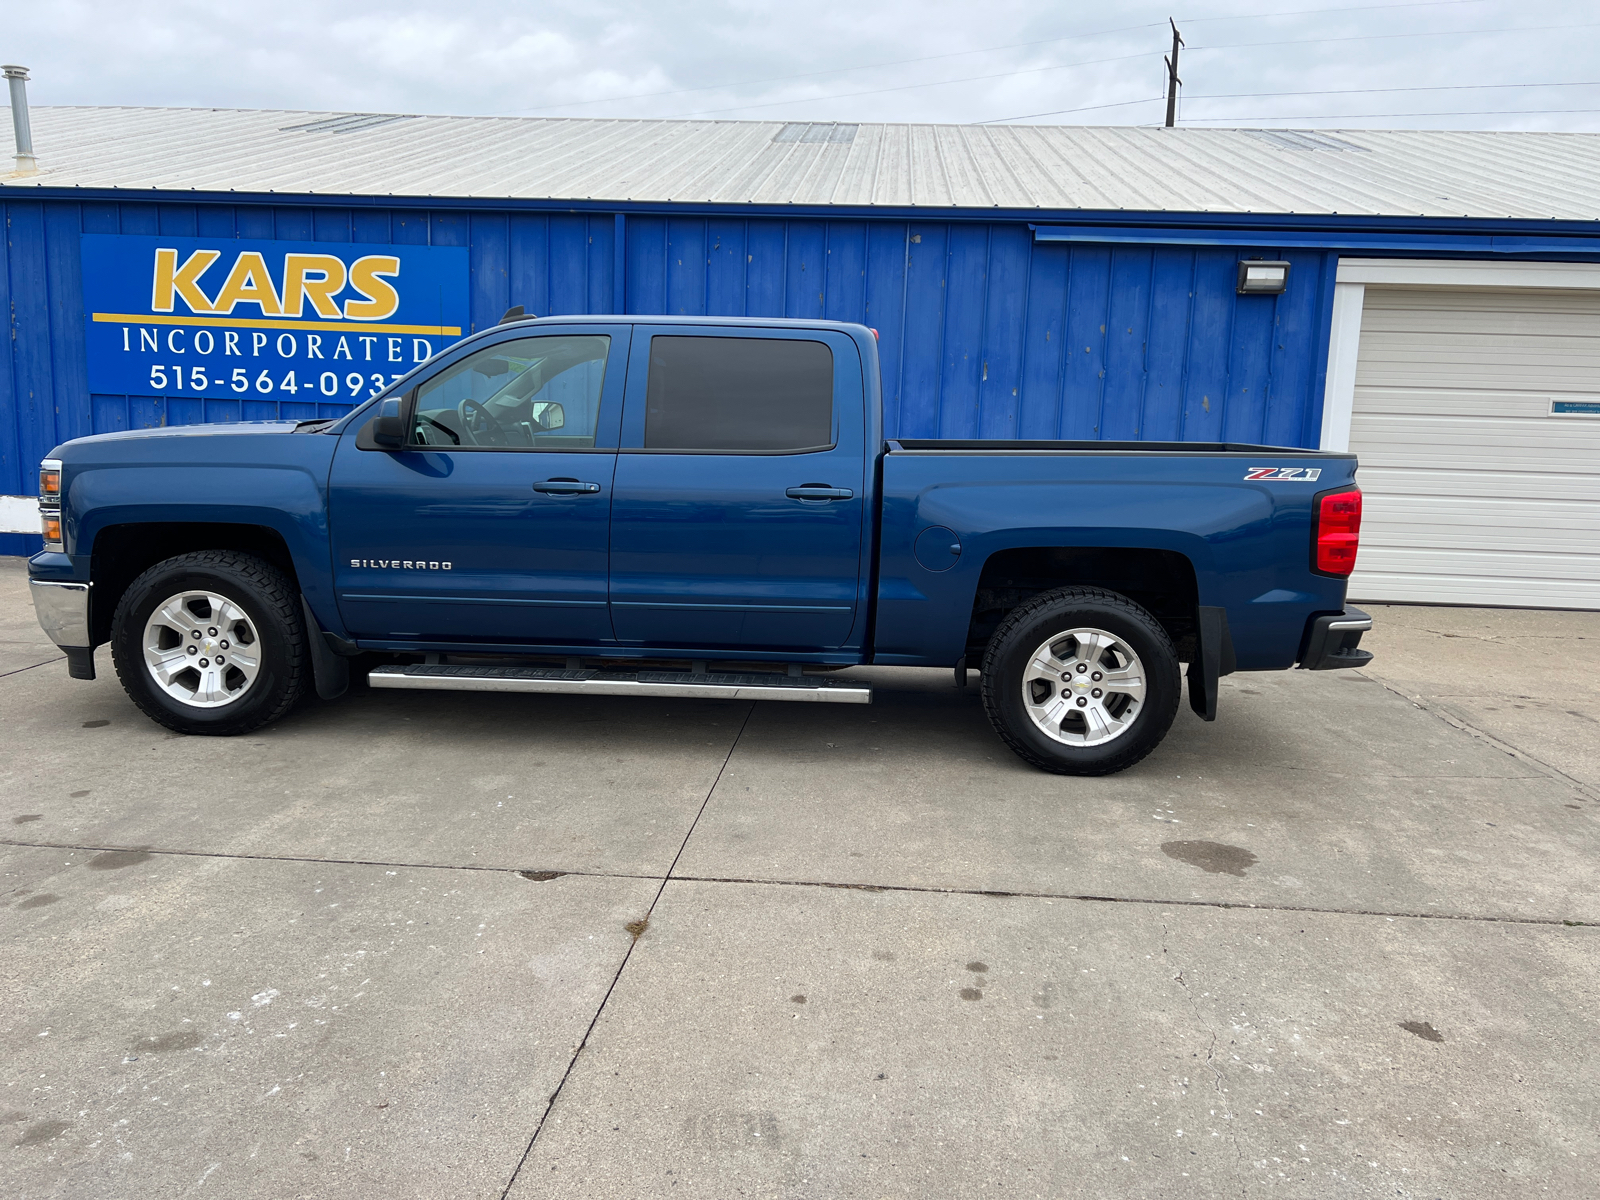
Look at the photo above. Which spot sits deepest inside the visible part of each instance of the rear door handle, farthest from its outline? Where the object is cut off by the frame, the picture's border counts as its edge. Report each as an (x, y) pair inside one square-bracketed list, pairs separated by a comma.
[(566, 487), (814, 491)]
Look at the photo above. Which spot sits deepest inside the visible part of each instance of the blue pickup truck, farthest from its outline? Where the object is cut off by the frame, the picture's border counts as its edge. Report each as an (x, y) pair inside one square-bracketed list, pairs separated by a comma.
[(688, 507)]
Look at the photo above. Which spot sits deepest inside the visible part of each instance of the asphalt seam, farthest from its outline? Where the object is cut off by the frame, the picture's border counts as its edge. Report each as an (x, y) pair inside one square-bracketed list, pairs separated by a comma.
[(1455, 722), (637, 932), (990, 893)]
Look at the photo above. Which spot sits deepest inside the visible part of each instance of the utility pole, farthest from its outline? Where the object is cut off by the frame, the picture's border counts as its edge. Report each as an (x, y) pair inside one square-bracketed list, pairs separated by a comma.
[(1172, 75)]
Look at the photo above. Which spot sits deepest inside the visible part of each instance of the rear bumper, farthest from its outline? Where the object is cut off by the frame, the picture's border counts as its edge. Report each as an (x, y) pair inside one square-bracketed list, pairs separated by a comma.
[(1333, 641)]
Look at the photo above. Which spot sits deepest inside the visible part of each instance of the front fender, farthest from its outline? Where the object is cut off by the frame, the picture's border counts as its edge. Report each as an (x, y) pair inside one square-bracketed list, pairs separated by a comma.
[(275, 482)]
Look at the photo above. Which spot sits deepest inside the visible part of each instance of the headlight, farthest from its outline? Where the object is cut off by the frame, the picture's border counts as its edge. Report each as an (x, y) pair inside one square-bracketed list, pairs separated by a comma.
[(50, 503)]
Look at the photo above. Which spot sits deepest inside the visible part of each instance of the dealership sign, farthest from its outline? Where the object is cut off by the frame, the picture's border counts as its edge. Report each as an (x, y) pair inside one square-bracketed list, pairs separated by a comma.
[(265, 320)]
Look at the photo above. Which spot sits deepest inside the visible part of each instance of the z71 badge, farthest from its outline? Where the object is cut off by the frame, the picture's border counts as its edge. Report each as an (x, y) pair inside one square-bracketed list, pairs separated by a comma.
[(1306, 473)]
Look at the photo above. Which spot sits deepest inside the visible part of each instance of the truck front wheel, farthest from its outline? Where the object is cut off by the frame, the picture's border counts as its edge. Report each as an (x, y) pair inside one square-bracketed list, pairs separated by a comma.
[(1081, 682), (211, 643)]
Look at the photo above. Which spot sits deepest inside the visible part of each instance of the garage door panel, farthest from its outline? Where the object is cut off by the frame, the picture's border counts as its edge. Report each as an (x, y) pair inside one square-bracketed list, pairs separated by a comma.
[(1489, 404), (1504, 323), (1489, 564), (1469, 304), (1567, 373), (1377, 481), (1467, 589), (1486, 343), (1467, 538), (1402, 512), (1456, 458), (1577, 438), (1475, 493)]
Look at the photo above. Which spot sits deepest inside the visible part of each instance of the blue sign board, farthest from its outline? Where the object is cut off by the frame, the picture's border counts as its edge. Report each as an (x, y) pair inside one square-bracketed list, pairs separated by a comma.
[(265, 320), (1575, 408)]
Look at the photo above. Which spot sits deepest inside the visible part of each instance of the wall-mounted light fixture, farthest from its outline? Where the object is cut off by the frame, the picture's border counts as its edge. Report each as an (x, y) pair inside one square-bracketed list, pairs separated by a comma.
[(1260, 278)]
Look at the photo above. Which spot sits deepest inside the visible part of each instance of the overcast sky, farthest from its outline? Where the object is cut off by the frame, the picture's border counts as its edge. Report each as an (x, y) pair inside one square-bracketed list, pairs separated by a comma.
[(1296, 63)]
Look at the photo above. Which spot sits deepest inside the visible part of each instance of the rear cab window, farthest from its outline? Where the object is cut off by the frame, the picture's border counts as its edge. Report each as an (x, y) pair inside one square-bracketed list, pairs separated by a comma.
[(722, 394)]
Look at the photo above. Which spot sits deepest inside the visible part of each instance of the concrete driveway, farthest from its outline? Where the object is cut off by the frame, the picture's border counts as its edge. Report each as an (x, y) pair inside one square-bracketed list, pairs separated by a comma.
[(1346, 941)]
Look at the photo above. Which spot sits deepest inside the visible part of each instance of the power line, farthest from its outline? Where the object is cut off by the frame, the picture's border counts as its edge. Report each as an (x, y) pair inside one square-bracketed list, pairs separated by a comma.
[(1094, 62), (1377, 37), (1302, 12), (1453, 87), (1487, 112), (1063, 111), (1449, 87)]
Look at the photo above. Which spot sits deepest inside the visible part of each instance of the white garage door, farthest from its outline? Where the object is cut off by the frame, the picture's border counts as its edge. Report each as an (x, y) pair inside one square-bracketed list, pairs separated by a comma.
[(1479, 488)]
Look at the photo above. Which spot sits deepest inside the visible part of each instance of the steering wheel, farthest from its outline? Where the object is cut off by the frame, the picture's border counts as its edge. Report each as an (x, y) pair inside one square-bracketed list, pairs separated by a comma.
[(441, 427), (488, 431)]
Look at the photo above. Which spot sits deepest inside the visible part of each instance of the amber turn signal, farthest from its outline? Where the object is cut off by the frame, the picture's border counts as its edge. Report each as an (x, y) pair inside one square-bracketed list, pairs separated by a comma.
[(50, 526)]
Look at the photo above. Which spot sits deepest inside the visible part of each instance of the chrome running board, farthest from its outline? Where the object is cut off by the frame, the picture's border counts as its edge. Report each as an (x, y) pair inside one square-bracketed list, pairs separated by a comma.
[(710, 685)]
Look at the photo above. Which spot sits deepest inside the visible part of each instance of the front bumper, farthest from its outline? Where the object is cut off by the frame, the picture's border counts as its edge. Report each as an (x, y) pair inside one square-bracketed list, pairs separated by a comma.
[(63, 612), (1332, 641)]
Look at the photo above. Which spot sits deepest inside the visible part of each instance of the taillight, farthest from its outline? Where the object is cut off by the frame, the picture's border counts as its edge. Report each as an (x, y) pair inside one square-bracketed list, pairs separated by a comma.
[(1337, 533)]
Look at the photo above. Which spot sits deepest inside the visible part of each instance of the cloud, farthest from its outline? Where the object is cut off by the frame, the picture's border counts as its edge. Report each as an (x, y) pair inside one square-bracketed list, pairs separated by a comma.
[(932, 60)]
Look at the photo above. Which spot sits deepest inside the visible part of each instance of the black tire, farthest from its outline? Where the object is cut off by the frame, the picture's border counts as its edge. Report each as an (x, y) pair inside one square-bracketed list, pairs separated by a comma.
[(1031, 625), (272, 605)]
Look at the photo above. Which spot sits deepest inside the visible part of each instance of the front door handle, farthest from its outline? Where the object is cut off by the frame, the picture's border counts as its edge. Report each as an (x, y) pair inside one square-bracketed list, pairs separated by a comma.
[(817, 491), (566, 487)]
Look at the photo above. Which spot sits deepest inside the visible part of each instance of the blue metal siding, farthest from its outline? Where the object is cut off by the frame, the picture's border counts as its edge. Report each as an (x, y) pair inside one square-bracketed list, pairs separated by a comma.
[(984, 332)]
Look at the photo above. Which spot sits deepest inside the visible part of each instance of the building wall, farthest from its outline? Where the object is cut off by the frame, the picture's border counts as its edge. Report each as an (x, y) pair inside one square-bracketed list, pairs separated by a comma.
[(983, 332)]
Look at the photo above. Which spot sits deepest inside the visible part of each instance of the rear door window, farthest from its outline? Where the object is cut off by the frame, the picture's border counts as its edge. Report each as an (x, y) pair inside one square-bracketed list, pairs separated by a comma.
[(736, 393)]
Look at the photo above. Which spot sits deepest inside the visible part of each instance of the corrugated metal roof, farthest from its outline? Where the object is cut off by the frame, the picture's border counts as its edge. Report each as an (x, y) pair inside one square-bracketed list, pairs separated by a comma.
[(1363, 172)]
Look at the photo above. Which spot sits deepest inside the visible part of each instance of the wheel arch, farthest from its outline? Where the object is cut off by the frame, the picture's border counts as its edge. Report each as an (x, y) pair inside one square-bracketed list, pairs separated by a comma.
[(121, 553), (1164, 582)]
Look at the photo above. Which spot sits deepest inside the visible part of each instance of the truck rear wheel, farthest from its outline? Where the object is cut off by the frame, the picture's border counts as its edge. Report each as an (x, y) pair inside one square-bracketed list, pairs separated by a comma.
[(211, 643), (1079, 681)]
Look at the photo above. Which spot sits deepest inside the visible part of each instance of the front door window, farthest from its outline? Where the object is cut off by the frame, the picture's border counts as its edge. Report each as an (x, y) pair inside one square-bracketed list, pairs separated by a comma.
[(538, 393)]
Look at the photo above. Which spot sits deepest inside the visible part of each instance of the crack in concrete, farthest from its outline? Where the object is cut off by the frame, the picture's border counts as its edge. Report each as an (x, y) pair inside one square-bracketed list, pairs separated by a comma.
[(672, 877), (637, 929), (1471, 730), (1216, 1073), (33, 666), (1507, 640)]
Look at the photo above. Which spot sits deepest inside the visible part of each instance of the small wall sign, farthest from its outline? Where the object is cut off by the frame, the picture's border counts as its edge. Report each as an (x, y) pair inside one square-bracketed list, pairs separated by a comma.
[(1575, 408)]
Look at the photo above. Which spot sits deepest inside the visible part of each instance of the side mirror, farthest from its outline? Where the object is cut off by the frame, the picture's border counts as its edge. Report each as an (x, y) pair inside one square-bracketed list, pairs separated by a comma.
[(551, 416), (386, 431)]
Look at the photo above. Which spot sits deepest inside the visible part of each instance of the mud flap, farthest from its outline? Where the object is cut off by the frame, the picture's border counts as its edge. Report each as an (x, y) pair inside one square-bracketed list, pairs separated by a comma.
[(1213, 659), (330, 672)]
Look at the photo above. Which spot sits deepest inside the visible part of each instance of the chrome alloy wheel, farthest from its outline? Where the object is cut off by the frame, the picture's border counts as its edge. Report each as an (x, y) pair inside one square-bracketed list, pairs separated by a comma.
[(1084, 687), (201, 649)]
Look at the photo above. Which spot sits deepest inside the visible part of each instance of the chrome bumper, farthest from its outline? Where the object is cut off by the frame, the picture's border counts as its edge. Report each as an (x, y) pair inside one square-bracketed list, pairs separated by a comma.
[(63, 611)]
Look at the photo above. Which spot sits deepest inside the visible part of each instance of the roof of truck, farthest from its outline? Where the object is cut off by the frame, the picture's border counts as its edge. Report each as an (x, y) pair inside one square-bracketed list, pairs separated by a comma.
[(1395, 173)]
